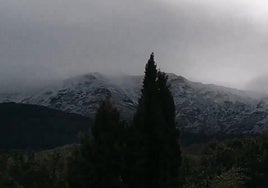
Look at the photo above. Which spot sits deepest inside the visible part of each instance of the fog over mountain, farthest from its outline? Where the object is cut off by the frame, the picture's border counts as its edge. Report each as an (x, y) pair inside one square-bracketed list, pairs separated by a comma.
[(223, 42)]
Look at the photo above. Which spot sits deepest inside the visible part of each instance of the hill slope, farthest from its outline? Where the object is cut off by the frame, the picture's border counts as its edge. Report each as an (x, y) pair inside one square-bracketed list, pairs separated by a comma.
[(25, 126)]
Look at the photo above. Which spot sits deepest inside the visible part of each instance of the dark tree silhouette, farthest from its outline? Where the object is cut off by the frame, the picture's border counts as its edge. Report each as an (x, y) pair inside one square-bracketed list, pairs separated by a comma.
[(100, 162), (171, 155), (156, 150)]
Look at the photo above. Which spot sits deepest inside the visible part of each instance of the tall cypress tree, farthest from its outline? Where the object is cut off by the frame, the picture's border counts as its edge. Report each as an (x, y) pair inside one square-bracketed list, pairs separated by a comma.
[(143, 165), (157, 151), (148, 99)]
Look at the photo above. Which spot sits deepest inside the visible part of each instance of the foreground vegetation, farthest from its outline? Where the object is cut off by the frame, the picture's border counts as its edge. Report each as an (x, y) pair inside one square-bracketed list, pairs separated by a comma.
[(230, 164)]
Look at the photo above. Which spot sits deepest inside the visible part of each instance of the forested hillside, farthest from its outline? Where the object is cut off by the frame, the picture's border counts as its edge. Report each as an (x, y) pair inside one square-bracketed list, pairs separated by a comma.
[(34, 127)]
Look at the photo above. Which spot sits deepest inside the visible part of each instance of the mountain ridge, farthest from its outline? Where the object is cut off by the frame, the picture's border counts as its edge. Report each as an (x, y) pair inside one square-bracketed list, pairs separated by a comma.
[(201, 108)]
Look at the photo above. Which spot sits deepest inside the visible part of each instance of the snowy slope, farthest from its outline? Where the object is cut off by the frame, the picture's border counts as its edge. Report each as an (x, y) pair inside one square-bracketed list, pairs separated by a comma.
[(82, 95), (200, 108)]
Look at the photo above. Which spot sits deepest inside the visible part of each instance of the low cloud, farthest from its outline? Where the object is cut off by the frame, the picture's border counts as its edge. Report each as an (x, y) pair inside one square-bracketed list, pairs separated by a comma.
[(42, 41)]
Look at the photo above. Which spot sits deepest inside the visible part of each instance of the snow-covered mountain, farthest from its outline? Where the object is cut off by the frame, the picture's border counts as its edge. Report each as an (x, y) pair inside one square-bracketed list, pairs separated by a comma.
[(201, 108)]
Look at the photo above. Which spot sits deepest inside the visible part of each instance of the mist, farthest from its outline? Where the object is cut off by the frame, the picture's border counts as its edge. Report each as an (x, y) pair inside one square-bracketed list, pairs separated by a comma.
[(223, 42)]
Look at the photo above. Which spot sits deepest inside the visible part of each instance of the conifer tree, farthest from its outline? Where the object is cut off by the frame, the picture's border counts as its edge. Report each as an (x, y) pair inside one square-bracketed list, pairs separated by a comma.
[(171, 155), (145, 165), (107, 158), (99, 162), (148, 99), (157, 149)]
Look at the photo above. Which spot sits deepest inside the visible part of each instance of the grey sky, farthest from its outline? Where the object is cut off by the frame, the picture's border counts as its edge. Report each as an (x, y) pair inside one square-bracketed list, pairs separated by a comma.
[(212, 41)]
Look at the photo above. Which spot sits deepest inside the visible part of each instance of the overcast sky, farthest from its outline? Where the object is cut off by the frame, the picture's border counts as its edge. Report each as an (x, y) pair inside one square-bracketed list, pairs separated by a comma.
[(212, 41)]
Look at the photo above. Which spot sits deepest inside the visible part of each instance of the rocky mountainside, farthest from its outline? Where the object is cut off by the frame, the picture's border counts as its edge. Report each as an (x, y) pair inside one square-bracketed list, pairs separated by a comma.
[(201, 108)]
